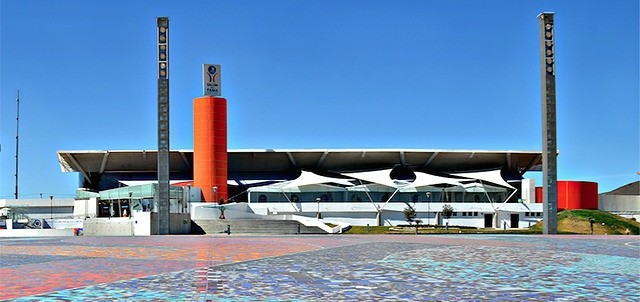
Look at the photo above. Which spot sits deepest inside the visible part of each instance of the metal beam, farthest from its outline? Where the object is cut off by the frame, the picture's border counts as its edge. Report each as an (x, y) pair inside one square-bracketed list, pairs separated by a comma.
[(79, 167), (321, 160), (291, 160), (103, 165), (185, 160), (430, 159), (531, 164)]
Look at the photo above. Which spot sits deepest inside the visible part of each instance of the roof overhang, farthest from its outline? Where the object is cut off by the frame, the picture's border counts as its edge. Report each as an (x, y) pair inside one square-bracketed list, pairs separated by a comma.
[(261, 161)]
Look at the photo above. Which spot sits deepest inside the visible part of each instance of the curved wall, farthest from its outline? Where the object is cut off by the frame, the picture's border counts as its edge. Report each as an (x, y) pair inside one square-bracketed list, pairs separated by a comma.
[(574, 195), (210, 147)]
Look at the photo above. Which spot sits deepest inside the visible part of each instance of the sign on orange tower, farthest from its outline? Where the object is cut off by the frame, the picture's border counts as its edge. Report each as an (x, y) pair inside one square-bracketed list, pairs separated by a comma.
[(210, 138)]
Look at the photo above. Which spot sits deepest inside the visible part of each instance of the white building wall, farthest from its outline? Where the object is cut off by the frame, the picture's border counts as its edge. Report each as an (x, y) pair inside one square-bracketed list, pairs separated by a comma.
[(619, 203), (44, 208), (627, 206), (528, 190), (85, 207), (363, 213), (141, 223)]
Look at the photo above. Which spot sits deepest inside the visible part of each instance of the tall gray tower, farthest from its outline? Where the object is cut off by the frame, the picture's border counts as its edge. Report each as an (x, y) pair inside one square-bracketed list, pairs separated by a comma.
[(549, 143), (163, 125)]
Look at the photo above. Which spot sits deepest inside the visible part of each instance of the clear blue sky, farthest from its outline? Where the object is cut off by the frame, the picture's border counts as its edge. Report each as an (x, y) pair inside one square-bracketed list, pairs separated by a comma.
[(320, 74)]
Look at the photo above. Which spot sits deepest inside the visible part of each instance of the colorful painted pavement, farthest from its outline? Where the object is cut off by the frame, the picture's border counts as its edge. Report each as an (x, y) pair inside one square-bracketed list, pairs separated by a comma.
[(321, 268)]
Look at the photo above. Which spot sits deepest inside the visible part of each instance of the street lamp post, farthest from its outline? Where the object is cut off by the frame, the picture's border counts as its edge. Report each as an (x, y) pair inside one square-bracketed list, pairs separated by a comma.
[(215, 194), (51, 206), (318, 213), (119, 203), (130, 207), (187, 200), (428, 208)]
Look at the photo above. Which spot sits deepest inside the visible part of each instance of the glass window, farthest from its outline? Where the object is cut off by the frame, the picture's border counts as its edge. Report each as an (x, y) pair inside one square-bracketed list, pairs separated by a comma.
[(262, 198)]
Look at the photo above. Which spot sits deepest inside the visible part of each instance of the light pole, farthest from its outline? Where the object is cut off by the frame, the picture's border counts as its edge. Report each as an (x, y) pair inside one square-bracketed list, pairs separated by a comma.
[(215, 194), (318, 213), (187, 200), (428, 208), (130, 212), (51, 206), (119, 203)]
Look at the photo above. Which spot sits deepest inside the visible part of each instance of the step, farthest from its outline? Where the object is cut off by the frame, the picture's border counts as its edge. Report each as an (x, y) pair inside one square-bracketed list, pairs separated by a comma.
[(252, 226)]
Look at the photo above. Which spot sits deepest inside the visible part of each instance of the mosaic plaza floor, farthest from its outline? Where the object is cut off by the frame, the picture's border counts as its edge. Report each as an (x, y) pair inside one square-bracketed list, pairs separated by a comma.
[(322, 268)]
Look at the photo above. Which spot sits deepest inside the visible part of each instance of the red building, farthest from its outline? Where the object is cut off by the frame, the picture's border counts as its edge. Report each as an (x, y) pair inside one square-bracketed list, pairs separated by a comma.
[(574, 195)]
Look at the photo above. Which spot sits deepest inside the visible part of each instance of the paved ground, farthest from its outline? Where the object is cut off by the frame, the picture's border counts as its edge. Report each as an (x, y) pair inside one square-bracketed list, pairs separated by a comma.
[(321, 268)]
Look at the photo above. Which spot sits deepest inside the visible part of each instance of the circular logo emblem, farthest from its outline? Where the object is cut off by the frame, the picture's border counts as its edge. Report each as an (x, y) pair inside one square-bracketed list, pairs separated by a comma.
[(212, 70)]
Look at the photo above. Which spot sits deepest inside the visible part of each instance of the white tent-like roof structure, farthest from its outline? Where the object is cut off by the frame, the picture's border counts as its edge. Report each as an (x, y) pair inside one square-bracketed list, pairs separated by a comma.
[(426, 179), (475, 187), (493, 176), (464, 181), (309, 178), (381, 177)]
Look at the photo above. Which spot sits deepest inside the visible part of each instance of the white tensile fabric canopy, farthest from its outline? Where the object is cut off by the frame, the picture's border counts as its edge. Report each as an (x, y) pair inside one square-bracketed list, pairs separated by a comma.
[(426, 179), (309, 178), (383, 177), (475, 187), (379, 176), (493, 176)]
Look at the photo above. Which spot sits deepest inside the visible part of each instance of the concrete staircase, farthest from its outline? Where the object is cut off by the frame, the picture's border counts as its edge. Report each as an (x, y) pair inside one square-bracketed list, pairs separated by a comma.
[(252, 226)]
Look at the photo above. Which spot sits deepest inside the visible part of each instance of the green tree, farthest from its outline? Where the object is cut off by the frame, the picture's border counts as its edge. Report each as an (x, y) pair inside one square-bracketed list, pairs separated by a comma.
[(410, 215), (447, 212)]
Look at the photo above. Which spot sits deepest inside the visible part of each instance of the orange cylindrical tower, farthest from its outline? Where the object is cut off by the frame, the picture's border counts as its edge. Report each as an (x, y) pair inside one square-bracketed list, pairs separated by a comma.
[(210, 147)]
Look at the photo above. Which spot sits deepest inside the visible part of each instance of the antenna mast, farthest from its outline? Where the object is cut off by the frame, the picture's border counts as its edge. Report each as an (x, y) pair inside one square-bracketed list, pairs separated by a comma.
[(17, 132)]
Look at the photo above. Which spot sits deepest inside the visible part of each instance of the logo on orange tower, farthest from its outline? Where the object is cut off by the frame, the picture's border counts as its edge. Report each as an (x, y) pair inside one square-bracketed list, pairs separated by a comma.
[(211, 80)]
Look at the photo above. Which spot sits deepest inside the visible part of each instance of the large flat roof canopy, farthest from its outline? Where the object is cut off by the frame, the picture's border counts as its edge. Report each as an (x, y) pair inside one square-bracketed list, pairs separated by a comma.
[(246, 163)]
